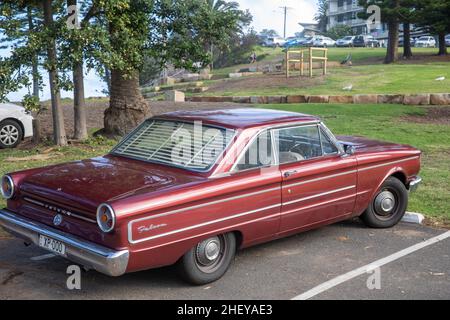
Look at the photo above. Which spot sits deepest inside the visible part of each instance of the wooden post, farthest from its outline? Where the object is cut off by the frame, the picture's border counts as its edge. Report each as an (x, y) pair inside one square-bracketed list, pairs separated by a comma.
[(302, 63), (310, 62), (325, 62), (287, 64)]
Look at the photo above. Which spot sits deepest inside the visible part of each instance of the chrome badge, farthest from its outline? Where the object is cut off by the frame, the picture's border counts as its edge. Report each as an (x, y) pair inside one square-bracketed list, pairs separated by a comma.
[(57, 220)]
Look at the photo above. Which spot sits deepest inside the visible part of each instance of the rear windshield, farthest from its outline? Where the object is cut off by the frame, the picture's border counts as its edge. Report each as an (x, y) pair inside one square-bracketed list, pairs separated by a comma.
[(190, 146), (348, 38)]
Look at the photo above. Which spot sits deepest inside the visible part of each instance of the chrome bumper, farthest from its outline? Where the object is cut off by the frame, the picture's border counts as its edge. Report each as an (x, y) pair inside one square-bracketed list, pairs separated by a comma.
[(90, 255), (414, 185)]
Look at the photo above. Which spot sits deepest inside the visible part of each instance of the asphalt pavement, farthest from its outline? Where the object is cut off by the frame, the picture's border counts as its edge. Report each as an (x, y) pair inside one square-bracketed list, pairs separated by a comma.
[(282, 269)]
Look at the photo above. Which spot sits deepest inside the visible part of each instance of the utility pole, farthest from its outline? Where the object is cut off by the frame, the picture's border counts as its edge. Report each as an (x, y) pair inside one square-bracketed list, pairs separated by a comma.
[(285, 9)]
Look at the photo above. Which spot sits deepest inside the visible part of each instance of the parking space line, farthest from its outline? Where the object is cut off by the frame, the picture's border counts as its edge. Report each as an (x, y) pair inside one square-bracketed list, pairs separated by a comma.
[(369, 267), (43, 257)]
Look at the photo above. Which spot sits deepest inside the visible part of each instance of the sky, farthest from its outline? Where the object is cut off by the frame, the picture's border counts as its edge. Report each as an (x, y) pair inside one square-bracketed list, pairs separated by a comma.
[(267, 14)]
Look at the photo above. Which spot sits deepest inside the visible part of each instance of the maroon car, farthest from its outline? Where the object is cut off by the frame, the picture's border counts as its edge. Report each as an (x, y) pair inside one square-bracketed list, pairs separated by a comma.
[(192, 187)]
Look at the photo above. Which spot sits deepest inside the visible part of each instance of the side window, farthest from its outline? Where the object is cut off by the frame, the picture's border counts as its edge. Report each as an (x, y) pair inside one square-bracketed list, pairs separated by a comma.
[(259, 153), (327, 146), (297, 144)]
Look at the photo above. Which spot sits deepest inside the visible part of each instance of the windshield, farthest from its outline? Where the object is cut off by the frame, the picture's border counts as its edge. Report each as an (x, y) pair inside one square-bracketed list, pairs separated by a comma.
[(191, 146), (424, 38), (348, 38)]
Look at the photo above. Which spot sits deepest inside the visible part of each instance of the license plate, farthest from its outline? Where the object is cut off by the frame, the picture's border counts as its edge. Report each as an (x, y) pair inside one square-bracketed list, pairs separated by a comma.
[(53, 245)]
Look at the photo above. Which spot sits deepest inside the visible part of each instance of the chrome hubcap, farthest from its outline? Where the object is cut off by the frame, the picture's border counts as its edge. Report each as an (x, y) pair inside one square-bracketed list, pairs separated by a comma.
[(208, 251), (385, 203), (9, 135)]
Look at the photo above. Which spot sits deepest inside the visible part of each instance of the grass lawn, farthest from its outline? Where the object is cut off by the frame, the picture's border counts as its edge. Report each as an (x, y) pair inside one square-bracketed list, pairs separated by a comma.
[(368, 75), (385, 122)]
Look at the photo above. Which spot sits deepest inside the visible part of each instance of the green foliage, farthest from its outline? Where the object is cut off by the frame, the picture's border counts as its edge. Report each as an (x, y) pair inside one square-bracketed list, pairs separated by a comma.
[(32, 104), (340, 31), (432, 15), (322, 14), (241, 47)]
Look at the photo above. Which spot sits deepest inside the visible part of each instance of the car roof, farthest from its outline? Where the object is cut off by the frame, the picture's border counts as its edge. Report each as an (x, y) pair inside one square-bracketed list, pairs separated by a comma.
[(240, 118)]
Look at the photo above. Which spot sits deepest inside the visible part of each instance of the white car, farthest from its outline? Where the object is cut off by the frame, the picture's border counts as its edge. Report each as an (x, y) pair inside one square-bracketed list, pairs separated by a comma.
[(320, 41), (426, 42), (345, 42), (275, 42), (15, 125)]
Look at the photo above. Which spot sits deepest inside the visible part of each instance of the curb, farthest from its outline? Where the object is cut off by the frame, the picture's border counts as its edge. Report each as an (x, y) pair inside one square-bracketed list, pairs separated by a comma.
[(413, 217), (429, 99)]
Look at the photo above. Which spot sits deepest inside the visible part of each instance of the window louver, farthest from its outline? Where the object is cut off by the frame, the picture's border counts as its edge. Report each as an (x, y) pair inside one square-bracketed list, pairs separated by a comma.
[(187, 145)]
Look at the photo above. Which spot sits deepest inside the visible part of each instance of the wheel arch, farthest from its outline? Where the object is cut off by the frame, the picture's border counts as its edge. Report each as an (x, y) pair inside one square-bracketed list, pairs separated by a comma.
[(22, 127)]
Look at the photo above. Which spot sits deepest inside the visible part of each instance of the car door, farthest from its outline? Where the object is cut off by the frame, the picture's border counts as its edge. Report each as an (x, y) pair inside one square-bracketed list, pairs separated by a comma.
[(319, 181)]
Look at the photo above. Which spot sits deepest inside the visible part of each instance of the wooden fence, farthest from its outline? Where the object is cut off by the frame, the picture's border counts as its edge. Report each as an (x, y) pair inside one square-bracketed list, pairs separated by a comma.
[(309, 53)]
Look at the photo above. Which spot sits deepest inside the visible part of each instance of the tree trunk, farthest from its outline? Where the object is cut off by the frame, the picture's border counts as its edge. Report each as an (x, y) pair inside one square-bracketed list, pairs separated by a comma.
[(392, 50), (80, 127), (442, 45), (79, 106), (59, 132), (127, 106), (407, 52), (35, 69)]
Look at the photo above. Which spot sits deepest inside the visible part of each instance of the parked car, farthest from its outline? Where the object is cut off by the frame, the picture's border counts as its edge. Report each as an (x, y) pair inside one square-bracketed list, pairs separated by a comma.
[(345, 42), (447, 40), (15, 125), (293, 43), (308, 42), (321, 41), (426, 42), (365, 41), (401, 42), (192, 187), (275, 42)]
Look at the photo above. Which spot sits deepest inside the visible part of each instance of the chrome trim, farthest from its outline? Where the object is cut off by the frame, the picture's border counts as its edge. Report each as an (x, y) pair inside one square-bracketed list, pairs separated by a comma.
[(318, 195), (130, 224), (414, 185), (65, 212), (388, 163), (11, 181), (104, 260), (204, 224), (113, 217), (319, 179)]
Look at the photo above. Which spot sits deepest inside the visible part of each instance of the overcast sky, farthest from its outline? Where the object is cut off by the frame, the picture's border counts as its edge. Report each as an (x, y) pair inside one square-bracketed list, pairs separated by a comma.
[(267, 14)]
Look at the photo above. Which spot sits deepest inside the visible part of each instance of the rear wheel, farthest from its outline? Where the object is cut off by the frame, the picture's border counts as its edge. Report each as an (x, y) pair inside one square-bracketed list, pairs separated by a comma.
[(388, 206), (209, 260), (11, 134)]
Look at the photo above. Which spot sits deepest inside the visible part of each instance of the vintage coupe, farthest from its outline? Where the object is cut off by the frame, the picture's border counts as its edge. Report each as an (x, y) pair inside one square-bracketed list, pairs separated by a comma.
[(192, 187)]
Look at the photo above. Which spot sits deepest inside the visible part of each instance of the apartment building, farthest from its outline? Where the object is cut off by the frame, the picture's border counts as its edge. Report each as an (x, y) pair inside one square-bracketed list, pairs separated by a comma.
[(346, 12)]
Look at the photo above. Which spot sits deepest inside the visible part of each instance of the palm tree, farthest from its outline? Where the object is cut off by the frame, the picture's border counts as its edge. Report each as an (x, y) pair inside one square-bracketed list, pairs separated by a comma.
[(217, 8)]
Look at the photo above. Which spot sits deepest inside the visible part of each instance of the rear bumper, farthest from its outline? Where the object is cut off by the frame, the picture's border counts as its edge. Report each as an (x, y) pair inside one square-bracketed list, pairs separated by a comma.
[(104, 260), (414, 185)]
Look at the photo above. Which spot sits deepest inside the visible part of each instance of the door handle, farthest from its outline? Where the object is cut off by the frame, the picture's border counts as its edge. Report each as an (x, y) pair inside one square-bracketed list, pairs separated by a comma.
[(287, 174)]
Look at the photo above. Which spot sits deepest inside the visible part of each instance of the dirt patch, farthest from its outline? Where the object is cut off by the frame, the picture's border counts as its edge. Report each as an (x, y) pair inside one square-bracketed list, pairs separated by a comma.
[(264, 81), (434, 115), (96, 108)]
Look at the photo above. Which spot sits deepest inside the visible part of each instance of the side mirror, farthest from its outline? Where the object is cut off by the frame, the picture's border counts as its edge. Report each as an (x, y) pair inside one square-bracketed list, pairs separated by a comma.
[(349, 150)]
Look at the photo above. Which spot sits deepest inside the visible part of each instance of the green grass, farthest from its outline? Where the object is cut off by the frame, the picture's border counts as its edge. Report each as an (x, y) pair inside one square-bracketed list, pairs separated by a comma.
[(368, 76), (385, 122)]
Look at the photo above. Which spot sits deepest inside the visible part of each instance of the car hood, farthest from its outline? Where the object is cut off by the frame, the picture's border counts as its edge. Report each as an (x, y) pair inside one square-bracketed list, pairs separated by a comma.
[(88, 183), (362, 144), (9, 109)]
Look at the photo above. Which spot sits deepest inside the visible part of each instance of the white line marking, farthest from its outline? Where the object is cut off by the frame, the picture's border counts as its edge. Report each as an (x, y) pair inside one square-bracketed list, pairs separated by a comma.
[(370, 267), (43, 257)]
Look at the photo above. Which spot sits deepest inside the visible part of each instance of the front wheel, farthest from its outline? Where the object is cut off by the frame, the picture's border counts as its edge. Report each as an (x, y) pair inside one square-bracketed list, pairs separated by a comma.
[(209, 260), (11, 134), (388, 206)]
